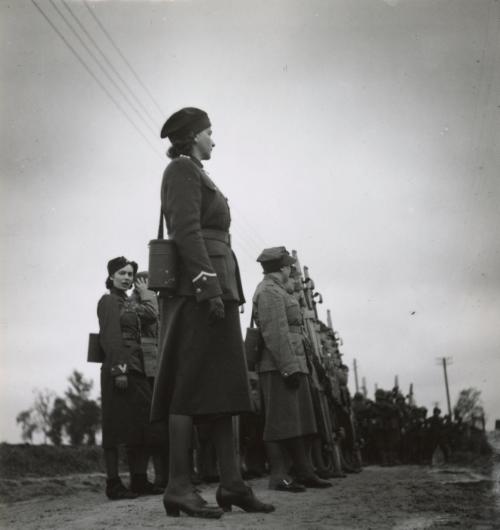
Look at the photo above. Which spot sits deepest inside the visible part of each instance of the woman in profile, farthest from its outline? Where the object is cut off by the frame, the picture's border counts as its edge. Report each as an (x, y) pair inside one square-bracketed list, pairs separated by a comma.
[(202, 376), (125, 392)]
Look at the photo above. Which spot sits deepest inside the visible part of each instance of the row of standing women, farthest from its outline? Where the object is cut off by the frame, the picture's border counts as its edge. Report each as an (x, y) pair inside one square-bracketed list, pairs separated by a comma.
[(202, 376)]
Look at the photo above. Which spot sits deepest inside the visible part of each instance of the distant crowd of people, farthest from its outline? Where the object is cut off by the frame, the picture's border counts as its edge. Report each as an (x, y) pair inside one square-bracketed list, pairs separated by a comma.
[(393, 430)]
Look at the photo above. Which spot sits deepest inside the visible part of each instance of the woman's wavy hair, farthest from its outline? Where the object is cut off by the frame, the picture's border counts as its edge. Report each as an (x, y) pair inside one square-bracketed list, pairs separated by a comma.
[(109, 281), (181, 146)]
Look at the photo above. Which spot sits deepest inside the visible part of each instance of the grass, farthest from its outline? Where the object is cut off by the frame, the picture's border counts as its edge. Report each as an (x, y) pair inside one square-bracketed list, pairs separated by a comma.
[(26, 460)]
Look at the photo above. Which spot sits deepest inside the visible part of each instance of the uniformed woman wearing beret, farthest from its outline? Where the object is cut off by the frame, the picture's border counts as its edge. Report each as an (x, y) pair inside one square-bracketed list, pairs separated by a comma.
[(202, 376), (125, 392), (283, 374)]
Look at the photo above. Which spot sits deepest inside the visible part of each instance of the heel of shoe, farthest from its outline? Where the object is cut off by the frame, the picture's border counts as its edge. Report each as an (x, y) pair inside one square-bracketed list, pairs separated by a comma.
[(171, 509), (243, 499)]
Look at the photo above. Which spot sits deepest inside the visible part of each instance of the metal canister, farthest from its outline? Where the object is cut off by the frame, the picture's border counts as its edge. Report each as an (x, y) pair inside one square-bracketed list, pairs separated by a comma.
[(163, 265)]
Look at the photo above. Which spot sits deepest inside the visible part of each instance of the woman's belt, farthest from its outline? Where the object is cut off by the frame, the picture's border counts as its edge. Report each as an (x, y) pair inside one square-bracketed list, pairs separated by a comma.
[(218, 235), (294, 329)]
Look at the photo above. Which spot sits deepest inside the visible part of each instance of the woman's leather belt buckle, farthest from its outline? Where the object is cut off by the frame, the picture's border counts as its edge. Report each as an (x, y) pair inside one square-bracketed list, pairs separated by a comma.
[(218, 235)]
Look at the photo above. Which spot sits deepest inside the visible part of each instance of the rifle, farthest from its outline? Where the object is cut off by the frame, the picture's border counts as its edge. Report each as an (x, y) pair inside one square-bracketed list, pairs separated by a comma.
[(329, 453)]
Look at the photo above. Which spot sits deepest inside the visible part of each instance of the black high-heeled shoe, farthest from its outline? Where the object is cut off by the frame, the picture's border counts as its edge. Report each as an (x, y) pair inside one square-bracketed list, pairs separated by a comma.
[(244, 499), (192, 507)]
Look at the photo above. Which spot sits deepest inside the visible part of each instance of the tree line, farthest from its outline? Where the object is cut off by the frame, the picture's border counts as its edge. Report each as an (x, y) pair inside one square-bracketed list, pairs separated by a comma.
[(74, 416)]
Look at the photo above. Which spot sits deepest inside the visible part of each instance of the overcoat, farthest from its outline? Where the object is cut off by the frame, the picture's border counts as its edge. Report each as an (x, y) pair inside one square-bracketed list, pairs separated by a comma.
[(202, 368), (289, 413), (279, 319)]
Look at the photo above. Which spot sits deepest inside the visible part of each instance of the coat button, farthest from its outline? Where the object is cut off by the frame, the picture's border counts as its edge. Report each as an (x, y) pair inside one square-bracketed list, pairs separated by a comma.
[(198, 290), (204, 278)]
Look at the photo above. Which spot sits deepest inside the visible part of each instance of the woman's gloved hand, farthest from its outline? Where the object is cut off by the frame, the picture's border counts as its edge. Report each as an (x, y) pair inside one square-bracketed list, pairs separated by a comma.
[(215, 310), (292, 381)]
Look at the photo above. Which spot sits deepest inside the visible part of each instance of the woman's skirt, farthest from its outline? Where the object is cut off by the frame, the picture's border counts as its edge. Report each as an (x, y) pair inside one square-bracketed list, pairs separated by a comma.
[(202, 368), (288, 412), (125, 412)]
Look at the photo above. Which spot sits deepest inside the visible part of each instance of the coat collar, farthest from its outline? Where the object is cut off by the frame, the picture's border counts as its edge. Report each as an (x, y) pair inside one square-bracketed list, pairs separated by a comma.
[(118, 292), (193, 159), (275, 277)]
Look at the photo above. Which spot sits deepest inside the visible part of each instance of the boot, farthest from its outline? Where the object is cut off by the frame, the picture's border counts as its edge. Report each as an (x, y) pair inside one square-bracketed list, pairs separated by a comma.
[(116, 491)]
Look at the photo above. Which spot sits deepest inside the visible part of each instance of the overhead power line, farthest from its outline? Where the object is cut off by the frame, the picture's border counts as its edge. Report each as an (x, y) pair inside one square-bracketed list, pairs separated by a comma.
[(249, 239), (154, 121), (248, 233), (120, 53), (96, 79), (102, 68)]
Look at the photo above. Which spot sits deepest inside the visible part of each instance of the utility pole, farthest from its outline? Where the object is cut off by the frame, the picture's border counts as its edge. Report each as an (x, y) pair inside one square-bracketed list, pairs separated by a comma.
[(355, 366), (396, 381), (445, 361)]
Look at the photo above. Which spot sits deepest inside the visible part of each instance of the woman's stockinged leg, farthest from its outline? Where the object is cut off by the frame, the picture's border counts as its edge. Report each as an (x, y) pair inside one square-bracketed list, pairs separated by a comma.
[(223, 439), (297, 451), (278, 470), (180, 433), (137, 459), (179, 494), (111, 462)]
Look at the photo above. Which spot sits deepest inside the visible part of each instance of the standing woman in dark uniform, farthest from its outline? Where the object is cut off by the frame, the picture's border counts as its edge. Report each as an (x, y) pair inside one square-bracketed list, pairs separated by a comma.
[(125, 392), (202, 375)]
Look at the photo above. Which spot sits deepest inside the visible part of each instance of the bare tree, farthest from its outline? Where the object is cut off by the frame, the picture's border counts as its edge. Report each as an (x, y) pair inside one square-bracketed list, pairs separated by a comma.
[(37, 418), (469, 405), (76, 414), (28, 424)]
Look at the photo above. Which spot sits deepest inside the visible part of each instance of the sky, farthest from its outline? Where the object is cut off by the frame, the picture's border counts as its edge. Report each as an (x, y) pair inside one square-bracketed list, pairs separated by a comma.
[(364, 134)]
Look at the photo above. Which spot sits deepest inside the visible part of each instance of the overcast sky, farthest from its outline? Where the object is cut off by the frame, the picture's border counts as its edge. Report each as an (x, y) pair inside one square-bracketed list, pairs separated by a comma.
[(364, 134)]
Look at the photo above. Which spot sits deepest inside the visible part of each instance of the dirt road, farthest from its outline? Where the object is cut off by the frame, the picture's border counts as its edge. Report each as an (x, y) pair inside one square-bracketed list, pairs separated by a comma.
[(404, 497)]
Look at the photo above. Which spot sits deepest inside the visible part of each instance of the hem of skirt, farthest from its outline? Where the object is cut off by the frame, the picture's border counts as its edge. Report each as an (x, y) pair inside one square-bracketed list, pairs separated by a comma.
[(277, 438), (201, 416)]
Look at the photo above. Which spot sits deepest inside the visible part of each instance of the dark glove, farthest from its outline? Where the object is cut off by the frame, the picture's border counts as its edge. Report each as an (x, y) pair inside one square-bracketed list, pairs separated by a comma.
[(292, 381), (215, 310), (121, 382)]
